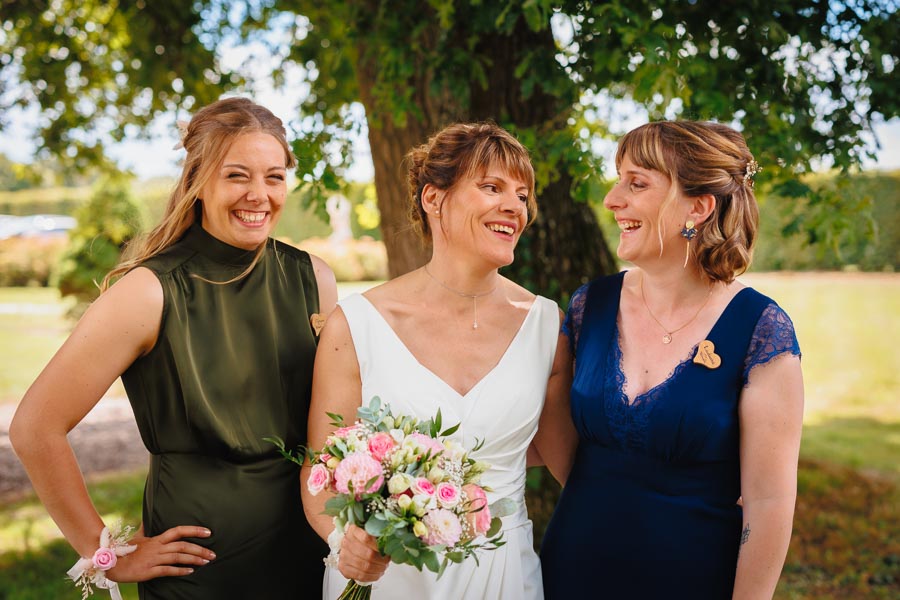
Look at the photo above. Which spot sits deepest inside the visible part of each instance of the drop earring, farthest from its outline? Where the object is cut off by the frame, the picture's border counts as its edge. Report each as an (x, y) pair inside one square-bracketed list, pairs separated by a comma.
[(688, 232)]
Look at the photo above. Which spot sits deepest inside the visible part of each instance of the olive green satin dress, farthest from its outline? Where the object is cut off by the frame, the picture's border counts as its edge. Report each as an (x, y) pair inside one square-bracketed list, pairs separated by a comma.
[(232, 365)]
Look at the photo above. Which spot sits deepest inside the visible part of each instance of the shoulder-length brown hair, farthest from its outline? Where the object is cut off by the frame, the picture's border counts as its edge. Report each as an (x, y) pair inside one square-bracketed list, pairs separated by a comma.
[(704, 158)]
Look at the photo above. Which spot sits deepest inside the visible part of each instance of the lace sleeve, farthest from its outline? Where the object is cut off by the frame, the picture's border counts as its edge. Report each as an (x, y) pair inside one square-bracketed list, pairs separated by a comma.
[(572, 324), (774, 336)]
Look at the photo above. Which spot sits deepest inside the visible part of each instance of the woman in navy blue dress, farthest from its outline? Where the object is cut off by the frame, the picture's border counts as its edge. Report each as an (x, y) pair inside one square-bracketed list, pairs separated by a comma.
[(687, 394)]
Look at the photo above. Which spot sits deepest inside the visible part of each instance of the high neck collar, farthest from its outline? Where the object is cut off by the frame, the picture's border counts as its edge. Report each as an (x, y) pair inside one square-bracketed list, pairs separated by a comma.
[(212, 247)]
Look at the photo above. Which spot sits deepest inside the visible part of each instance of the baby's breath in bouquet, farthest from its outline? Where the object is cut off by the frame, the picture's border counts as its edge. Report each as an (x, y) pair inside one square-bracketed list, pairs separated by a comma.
[(409, 486)]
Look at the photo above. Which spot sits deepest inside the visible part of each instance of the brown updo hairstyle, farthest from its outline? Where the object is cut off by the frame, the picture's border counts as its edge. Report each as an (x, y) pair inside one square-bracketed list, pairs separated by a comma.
[(461, 151), (209, 136), (704, 158)]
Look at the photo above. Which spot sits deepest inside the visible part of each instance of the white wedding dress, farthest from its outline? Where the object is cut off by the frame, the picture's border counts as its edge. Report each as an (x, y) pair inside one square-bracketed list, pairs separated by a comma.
[(502, 409)]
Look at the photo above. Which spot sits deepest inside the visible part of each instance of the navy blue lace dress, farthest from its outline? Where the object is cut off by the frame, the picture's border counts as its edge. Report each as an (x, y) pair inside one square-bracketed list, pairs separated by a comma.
[(649, 509)]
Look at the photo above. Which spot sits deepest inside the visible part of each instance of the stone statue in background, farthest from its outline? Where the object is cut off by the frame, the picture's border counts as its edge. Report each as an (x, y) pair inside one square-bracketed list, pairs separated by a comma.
[(338, 208)]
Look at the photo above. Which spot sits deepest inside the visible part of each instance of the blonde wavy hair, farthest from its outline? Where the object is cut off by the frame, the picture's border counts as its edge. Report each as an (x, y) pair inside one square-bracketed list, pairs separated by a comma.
[(460, 151), (209, 136), (701, 158)]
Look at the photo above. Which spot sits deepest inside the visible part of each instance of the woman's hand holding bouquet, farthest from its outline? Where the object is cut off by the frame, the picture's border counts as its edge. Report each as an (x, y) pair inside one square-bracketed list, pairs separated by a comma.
[(407, 485)]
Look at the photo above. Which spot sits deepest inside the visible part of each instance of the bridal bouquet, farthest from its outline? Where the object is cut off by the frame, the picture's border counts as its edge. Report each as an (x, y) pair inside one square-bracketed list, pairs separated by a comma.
[(408, 486)]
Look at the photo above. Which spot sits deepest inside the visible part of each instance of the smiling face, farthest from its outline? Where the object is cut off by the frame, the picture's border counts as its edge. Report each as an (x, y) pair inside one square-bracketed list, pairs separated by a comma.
[(485, 215), (242, 201), (645, 217)]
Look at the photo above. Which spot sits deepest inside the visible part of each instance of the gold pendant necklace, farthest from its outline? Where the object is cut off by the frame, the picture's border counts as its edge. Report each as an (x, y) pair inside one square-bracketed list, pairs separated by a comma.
[(667, 338), (474, 297)]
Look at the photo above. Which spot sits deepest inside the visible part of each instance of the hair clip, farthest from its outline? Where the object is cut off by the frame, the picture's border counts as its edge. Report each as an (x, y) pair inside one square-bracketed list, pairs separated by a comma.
[(182, 133), (750, 173)]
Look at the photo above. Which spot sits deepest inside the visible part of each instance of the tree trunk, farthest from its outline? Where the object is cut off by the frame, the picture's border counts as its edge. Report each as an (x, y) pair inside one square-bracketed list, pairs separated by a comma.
[(406, 250), (389, 142), (564, 248)]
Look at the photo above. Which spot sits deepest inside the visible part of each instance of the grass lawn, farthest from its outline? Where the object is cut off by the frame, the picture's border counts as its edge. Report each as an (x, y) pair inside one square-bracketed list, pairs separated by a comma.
[(33, 558), (845, 542), (848, 326), (32, 327)]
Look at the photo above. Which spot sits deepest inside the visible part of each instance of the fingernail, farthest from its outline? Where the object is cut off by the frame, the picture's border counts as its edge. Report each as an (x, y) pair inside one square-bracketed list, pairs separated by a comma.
[(207, 532), (205, 562), (190, 571), (212, 555)]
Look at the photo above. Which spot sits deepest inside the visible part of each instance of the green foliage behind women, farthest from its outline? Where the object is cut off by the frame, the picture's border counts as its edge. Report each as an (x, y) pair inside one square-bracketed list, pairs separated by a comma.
[(105, 224)]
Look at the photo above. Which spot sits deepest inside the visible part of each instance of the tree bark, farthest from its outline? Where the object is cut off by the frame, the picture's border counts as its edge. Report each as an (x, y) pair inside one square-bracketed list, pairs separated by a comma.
[(389, 142), (406, 250)]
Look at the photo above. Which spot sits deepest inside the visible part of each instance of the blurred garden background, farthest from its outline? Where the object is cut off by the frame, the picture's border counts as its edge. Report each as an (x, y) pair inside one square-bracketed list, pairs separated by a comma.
[(90, 91)]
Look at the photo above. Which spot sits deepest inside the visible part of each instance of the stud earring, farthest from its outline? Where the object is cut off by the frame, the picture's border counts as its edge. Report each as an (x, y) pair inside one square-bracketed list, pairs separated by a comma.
[(688, 232)]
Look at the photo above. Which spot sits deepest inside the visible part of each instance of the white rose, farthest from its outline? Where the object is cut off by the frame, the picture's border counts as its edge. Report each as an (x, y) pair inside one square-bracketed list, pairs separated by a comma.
[(422, 504), (399, 483)]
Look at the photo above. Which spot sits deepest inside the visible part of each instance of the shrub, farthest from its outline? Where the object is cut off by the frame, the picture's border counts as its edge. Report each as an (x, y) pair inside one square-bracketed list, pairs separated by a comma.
[(364, 259), (29, 261), (845, 223), (105, 224)]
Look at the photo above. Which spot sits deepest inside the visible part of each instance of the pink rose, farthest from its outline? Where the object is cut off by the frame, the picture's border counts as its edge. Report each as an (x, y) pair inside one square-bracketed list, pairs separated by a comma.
[(448, 494), (318, 480), (104, 559), (421, 486), (356, 470), (443, 528), (427, 443), (380, 445), (479, 513), (324, 457), (342, 432)]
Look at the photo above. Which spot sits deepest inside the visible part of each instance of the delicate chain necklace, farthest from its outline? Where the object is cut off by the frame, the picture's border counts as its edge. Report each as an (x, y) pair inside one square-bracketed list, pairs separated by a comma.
[(474, 297), (667, 339)]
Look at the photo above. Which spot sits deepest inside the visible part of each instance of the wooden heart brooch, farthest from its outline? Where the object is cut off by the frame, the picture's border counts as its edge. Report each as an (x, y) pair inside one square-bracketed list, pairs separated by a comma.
[(706, 355), (317, 320)]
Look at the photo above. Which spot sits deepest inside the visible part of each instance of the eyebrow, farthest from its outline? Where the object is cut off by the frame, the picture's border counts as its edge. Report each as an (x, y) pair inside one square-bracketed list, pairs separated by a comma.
[(240, 166), (502, 180), (635, 171)]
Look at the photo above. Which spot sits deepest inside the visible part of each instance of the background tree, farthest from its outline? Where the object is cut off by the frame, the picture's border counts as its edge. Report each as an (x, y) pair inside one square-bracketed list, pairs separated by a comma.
[(105, 223), (803, 78), (15, 176)]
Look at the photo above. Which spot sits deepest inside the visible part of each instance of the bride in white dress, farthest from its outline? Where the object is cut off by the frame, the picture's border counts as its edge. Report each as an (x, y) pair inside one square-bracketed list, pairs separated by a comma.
[(455, 335)]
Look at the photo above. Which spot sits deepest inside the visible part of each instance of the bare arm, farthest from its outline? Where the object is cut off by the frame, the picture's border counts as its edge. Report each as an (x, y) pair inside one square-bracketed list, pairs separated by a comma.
[(771, 417), (337, 389), (327, 285), (119, 327), (556, 439)]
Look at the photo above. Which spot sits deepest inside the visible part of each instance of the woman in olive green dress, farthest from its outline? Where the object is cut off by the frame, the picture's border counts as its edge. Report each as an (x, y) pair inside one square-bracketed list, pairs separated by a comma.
[(212, 326)]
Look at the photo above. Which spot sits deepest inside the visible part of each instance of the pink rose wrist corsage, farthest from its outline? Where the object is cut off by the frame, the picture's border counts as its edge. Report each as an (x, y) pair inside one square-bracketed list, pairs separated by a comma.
[(89, 572)]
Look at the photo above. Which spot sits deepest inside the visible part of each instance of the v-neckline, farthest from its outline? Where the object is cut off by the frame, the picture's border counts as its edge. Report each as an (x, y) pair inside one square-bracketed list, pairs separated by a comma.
[(483, 378), (619, 356)]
